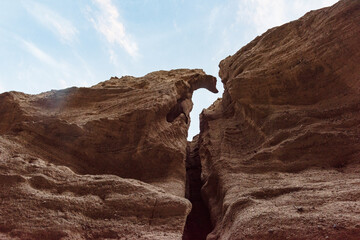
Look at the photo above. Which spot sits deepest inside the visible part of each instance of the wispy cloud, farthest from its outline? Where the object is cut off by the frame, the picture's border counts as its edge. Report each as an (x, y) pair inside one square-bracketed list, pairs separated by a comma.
[(45, 58), (106, 21), (265, 14), (302, 6), (50, 19), (113, 57), (65, 73), (40, 54)]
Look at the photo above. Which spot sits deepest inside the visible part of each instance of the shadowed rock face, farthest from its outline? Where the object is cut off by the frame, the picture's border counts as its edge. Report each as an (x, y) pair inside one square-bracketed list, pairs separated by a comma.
[(198, 224), (100, 162), (280, 151)]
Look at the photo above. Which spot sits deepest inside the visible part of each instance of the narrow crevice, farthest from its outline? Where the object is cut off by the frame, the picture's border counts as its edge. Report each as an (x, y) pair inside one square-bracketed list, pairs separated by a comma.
[(198, 224)]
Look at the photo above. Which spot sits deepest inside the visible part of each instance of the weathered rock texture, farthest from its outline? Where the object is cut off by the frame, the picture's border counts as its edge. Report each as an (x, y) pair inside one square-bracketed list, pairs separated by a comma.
[(106, 162), (280, 151)]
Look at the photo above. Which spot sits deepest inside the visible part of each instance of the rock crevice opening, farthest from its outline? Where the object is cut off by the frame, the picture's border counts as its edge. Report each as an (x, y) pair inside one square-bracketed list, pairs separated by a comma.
[(198, 223)]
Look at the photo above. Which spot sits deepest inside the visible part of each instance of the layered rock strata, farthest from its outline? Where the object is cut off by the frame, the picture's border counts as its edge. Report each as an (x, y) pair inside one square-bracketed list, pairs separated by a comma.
[(280, 152), (106, 162)]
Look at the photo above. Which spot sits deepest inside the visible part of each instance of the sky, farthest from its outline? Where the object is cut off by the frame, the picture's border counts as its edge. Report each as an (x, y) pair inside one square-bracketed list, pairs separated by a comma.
[(49, 44)]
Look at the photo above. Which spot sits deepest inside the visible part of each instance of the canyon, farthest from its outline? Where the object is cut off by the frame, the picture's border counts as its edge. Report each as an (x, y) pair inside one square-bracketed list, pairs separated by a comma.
[(277, 157)]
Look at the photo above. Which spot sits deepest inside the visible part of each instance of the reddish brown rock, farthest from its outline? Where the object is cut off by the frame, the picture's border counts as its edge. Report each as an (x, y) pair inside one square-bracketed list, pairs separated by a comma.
[(106, 162), (280, 151)]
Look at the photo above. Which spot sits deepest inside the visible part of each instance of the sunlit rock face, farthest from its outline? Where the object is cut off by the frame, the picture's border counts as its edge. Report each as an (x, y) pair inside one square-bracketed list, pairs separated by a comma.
[(106, 162), (280, 151)]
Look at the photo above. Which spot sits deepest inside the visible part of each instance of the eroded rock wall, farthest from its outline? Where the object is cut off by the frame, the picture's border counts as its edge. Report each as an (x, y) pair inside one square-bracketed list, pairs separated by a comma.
[(106, 162), (198, 224), (280, 151)]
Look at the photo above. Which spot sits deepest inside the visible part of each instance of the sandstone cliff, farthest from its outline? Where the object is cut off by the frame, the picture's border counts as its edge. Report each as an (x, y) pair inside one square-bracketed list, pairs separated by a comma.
[(278, 157), (280, 151), (106, 162)]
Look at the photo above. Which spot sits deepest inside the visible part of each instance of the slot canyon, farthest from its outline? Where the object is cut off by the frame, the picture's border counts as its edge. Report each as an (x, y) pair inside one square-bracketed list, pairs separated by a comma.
[(277, 157)]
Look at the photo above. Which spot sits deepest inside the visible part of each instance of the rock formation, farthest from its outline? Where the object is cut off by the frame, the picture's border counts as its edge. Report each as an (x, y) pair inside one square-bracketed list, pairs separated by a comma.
[(106, 162), (278, 157), (280, 151)]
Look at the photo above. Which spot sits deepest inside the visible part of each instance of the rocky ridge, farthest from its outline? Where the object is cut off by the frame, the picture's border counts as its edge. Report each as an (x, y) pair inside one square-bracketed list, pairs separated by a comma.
[(106, 162), (280, 151)]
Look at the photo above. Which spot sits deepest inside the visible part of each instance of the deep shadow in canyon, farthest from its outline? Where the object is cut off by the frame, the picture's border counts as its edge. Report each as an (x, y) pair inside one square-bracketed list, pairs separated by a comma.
[(198, 223)]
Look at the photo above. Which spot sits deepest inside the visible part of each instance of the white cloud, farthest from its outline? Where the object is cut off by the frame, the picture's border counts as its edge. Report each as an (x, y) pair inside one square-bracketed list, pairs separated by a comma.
[(63, 83), (50, 19), (64, 73), (113, 57), (45, 58), (300, 7), (265, 14), (106, 22), (39, 54)]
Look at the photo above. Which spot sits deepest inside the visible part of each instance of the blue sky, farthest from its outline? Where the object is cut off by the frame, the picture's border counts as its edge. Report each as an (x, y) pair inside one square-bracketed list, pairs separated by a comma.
[(53, 44)]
